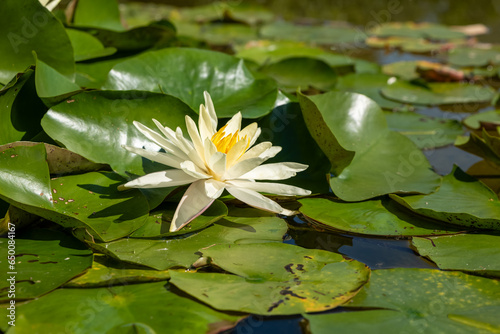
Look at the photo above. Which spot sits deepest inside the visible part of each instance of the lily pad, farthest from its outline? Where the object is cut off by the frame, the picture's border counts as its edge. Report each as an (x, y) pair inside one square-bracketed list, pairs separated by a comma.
[(44, 260), (240, 226), (158, 223), (405, 70), (488, 120), (425, 131), (86, 46), (294, 73), (106, 118), (474, 253), (22, 111), (119, 309), (106, 272), (485, 146), (98, 14), (368, 160), (28, 27), (474, 57), (461, 200), (186, 73), (227, 34), (438, 93), (291, 280), (422, 300), (369, 84), (324, 34), (380, 217), (411, 29)]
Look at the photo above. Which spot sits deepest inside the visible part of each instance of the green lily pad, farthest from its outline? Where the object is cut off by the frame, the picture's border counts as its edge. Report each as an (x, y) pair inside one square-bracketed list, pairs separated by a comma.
[(119, 309), (241, 12), (158, 223), (28, 27), (438, 93), (474, 57), (418, 300), (52, 86), (291, 280), (488, 120), (86, 46), (44, 260), (22, 111), (98, 14), (323, 34), (406, 70), (294, 73), (106, 272), (407, 44), (368, 84), (20, 164), (186, 73), (376, 217), (474, 253), (281, 127), (485, 146), (425, 131), (227, 34), (461, 200), (269, 52), (94, 74), (411, 29), (106, 118), (384, 161), (241, 226)]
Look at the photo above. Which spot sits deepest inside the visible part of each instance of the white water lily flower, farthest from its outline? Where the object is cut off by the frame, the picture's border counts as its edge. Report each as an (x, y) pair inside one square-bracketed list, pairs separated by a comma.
[(213, 161), (50, 5)]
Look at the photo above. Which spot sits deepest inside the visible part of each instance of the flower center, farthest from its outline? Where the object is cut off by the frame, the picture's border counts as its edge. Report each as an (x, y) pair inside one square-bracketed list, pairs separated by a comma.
[(224, 142)]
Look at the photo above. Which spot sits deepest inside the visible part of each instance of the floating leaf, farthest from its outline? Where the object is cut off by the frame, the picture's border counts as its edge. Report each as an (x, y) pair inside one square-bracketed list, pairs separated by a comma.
[(438, 93), (158, 223), (227, 34), (106, 272), (186, 73), (293, 73), (98, 14), (368, 84), (406, 44), (28, 27), (291, 280), (468, 57), (487, 147), (44, 260), (474, 253), (406, 70), (488, 120), (22, 111), (323, 34), (411, 29), (461, 200), (423, 300), (426, 132), (242, 225), (384, 161), (87, 46), (119, 309), (376, 217)]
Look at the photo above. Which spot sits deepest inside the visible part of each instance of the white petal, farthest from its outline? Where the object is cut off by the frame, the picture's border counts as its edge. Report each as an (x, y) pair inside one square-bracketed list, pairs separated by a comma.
[(214, 188), (256, 150), (256, 200), (195, 137), (255, 136), (210, 149), (206, 124), (190, 168), (168, 178), (276, 171), (211, 111), (245, 166), (160, 140), (249, 131), (217, 163), (234, 124), (163, 158), (52, 5), (236, 152), (194, 202), (271, 188), (189, 149)]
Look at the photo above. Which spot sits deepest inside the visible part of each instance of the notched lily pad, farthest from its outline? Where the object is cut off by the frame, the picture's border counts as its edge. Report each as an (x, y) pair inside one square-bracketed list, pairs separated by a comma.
[(381, 217), (461, 200), (488, 120), (291, 280), (474, 253), (44, 260)]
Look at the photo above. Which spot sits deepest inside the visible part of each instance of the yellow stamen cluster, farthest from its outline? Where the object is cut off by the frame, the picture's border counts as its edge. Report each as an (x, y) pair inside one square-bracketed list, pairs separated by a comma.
[(225, 142)]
